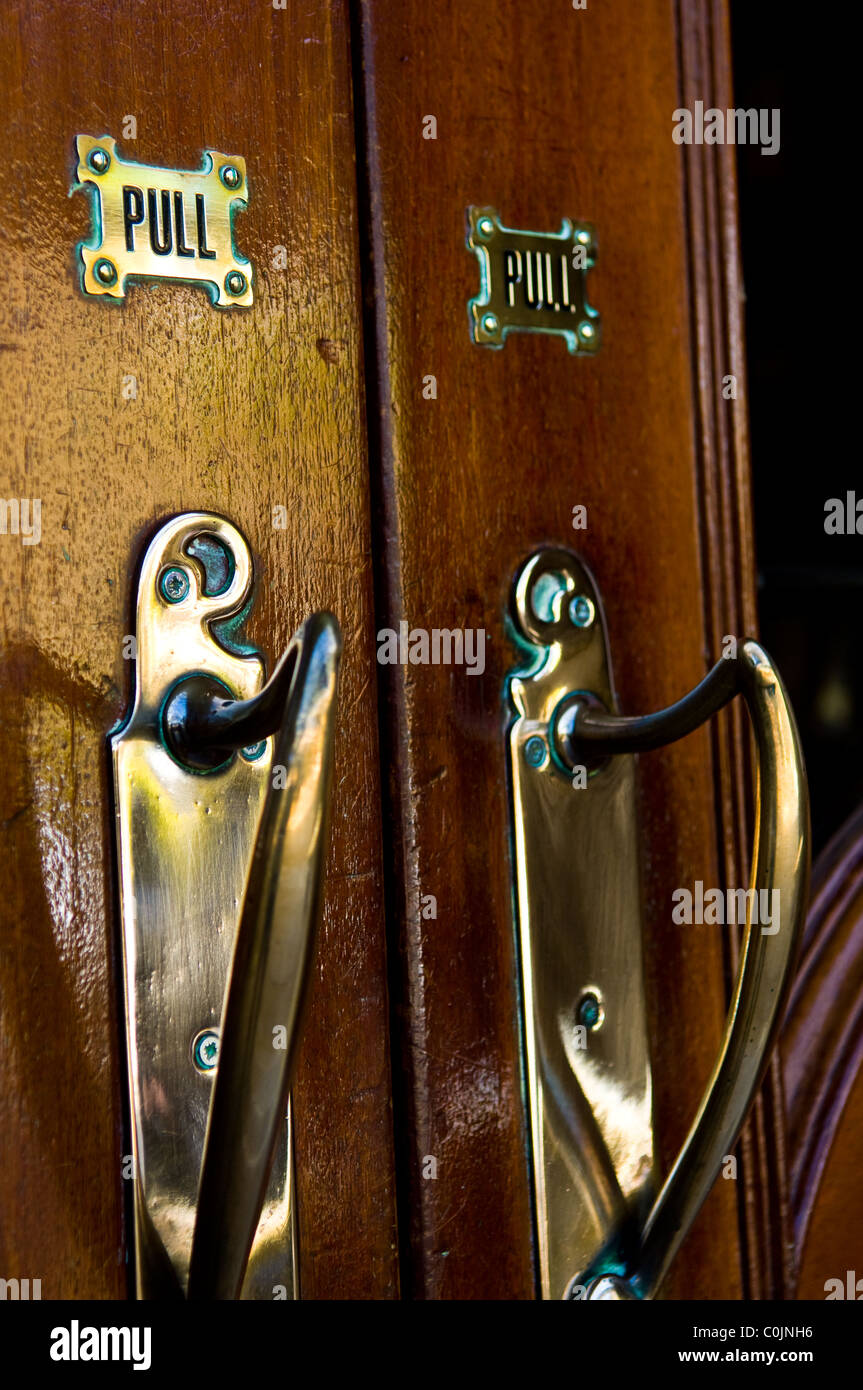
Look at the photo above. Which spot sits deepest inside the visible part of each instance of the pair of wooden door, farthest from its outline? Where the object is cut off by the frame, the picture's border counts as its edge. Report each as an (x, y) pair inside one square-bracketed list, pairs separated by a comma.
[(411, 472)]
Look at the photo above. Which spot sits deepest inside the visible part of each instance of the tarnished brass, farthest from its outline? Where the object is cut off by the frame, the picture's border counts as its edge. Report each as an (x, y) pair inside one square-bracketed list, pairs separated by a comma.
[(532, 282), (151, 223), (219, 887), (580, 939)]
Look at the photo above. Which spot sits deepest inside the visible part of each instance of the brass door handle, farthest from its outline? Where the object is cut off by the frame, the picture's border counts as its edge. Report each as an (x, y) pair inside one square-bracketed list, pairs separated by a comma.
[(768, 957), (567, 705), (222, 795)]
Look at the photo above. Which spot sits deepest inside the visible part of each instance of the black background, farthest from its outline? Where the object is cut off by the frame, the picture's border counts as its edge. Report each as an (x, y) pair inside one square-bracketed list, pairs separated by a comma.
[(800, 270)]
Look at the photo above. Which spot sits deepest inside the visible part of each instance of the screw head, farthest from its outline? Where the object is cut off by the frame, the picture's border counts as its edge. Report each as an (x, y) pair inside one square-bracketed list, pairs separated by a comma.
[(485, 226), (253, 751), (235, 282), (583, 238), (610, 1288), (205, 1050), (174, 585), (582, 611), (586, 331), (535, 751), (105, 271), (98, 160), (489, 323), (590, 1012), (230, 176)]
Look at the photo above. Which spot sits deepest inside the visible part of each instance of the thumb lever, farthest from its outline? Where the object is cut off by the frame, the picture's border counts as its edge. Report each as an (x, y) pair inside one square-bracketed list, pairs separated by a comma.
[(270, 966)]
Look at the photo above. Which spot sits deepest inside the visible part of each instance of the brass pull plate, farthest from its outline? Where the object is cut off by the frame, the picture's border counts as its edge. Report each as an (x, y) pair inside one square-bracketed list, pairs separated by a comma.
[(532, 282), (151, 223), (580, 930), (185, 843)]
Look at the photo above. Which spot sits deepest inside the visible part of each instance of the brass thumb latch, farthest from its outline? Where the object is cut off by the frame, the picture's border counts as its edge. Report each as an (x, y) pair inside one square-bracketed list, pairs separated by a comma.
[(221, 791), (604, 1231)]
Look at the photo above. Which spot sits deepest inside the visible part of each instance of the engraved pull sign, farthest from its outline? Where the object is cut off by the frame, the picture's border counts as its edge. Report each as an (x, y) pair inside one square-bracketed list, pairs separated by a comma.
[(162, 224)]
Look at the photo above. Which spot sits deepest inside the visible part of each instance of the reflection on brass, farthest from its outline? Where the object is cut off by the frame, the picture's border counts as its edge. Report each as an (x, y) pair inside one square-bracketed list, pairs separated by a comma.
[(580, 926), (151, 223), (768, 956), (272, 956), (532, 282), (219, 895), (580, 931)]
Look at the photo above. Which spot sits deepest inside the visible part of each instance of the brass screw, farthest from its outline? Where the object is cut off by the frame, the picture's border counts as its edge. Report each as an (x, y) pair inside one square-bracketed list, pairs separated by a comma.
[(99, 160), (582, 611), (105, 271), (205, 1050), (235, 282), (174, 585), (534, 751), (590, 1011), (230, 176)]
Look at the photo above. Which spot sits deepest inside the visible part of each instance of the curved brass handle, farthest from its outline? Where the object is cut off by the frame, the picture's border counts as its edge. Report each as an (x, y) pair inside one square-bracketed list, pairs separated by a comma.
[(768, 958), (267, 983), (607, 1227)]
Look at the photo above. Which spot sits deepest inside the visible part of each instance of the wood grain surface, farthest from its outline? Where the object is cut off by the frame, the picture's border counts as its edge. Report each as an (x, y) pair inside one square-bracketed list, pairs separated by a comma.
[(236, 412), (546, 112)]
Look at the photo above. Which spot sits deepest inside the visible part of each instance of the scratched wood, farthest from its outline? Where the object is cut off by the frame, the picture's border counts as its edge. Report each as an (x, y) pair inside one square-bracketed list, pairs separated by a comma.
[(236, 412), (545, 112)]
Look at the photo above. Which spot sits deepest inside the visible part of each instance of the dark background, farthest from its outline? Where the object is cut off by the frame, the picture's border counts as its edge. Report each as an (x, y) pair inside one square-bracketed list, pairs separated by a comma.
[(802, 296)]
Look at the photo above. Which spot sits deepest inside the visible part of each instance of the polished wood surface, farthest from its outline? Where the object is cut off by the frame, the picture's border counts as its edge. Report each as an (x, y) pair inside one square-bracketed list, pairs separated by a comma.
[(235, 412), (546, 113)]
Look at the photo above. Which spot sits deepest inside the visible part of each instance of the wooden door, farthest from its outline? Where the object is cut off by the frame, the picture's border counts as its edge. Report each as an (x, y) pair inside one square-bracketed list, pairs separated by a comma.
[(238, 412), (417, 470), (567, 111), (560, 114)]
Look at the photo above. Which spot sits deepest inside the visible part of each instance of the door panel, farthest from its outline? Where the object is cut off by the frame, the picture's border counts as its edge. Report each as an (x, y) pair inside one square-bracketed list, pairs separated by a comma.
[(544, 115), (238, 412)]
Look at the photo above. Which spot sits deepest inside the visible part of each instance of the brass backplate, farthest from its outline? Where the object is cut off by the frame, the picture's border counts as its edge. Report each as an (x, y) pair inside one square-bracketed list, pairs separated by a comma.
[(532, 282), (575, 846), (185, 843), (162, 224)]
